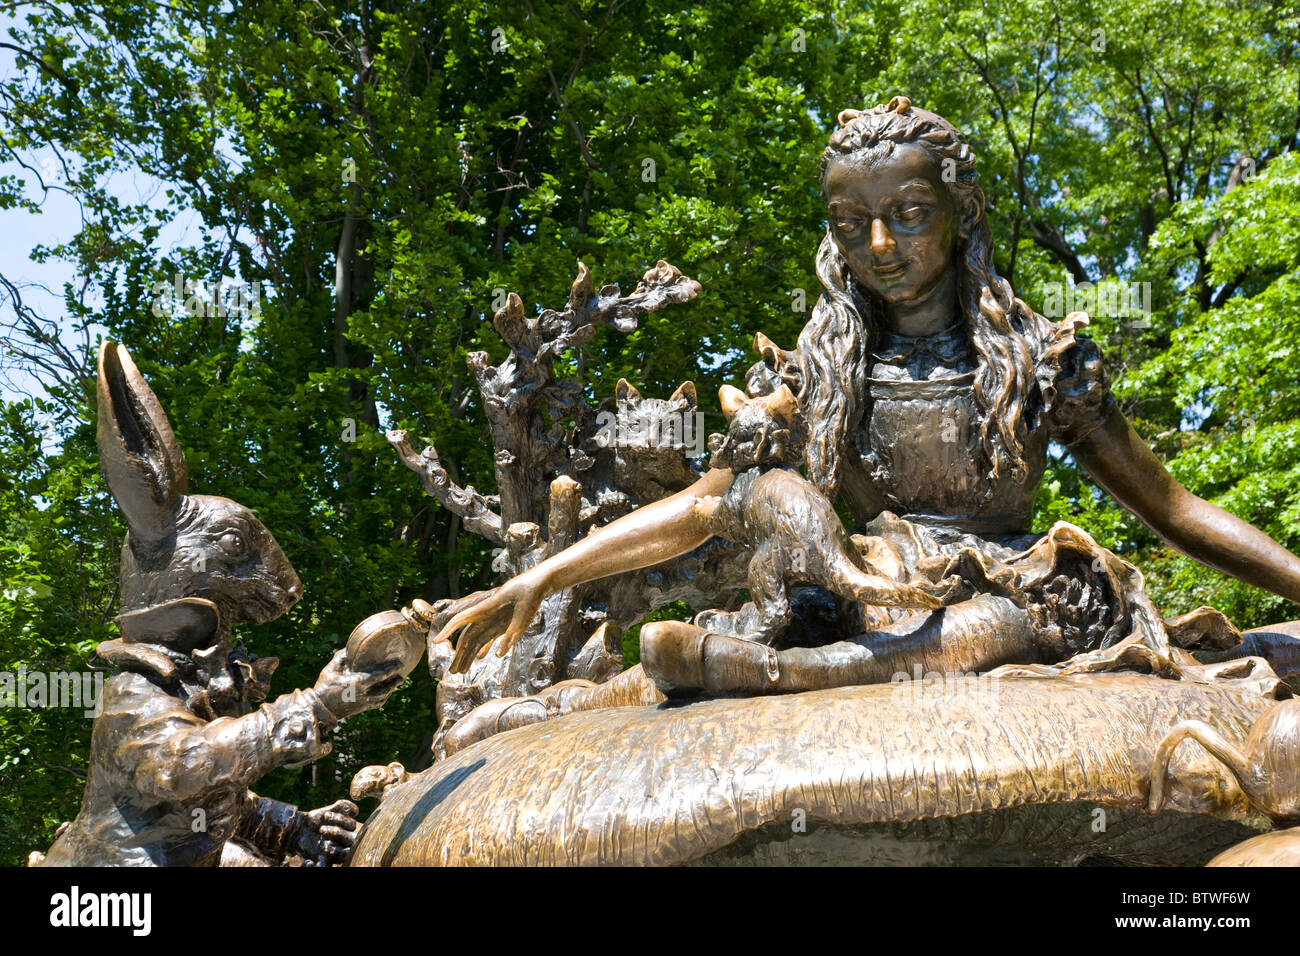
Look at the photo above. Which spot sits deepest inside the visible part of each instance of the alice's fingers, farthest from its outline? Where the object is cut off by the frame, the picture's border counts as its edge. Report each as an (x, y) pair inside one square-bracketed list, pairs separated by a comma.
[(468, 646), (472, 611), (336, 835), (508, 640), (519, 621), (454, 625), (464, 654)]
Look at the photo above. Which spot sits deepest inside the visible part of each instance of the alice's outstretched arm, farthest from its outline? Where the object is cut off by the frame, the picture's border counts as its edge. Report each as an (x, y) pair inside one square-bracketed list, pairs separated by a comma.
[(653, 533), (656, 532), (1117, 458)]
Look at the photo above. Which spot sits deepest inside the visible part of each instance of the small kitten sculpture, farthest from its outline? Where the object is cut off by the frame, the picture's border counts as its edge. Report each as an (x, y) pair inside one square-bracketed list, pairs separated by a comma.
[(797, 537), (640, 451)]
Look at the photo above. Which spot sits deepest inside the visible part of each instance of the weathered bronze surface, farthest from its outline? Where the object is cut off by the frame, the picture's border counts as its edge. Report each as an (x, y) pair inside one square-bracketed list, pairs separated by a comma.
[(676, 783), (923, 395), (1265, 766), (787, 726), (1279, 848), (177, 746)]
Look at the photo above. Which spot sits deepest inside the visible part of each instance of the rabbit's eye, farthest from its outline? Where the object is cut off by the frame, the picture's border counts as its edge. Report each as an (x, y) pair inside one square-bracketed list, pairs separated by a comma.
[(231, 543)]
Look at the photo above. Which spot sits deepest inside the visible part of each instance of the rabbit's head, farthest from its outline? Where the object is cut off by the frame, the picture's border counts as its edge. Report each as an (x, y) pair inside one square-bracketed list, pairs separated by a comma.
[(192, 565)]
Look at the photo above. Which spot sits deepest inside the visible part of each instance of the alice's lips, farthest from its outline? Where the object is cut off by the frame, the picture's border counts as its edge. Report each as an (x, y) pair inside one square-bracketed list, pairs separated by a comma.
[(890, 270)]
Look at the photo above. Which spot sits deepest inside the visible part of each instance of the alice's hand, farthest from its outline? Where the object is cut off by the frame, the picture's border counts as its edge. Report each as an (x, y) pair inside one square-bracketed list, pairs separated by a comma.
[(328, 835), (505, 612)]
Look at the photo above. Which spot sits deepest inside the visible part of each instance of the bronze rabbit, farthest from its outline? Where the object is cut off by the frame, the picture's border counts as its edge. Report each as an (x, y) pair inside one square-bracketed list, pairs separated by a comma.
[(177, 744)]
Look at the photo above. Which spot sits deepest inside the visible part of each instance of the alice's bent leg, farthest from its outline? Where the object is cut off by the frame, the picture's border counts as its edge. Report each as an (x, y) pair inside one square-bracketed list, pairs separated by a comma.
[(971, 637), (682, 660)]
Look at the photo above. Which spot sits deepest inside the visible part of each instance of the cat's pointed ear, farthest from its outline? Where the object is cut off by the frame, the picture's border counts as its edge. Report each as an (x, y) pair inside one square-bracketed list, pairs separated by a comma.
[(625, 391), (732, 399), (771, 352), (138, 452), (782, 403), (685, 392)]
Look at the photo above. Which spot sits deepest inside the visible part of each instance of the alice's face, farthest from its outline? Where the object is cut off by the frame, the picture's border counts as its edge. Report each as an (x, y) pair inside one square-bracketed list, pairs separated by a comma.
[(894, 223)]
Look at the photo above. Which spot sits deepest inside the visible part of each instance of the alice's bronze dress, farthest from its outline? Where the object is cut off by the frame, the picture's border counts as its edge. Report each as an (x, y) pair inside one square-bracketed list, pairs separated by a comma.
[(938, 508)]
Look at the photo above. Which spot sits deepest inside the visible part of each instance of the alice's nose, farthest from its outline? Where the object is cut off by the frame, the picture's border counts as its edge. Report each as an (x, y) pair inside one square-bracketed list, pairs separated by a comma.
[(294, 589), (881, 241)]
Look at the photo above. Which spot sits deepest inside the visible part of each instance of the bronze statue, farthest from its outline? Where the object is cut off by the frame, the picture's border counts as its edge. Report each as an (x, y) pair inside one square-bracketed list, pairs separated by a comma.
[(926, 395), (796, 539), (176, 748), (922, 395), (965, 771), (930, 393)]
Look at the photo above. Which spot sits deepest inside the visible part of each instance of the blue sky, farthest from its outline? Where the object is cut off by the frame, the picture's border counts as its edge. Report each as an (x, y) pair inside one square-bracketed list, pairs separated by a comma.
[(59, 219)]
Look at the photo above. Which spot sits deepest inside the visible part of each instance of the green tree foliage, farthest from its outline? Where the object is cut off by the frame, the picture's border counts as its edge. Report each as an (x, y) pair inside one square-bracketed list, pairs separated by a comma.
[(383, 169), (1237, 367)]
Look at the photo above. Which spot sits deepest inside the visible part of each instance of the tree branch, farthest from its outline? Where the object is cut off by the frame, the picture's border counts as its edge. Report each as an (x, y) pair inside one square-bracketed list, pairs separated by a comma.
[(473, 508)]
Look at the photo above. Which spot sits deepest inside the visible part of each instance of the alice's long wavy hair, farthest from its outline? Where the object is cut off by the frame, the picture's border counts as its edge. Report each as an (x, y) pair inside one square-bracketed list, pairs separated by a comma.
[(835, 346)]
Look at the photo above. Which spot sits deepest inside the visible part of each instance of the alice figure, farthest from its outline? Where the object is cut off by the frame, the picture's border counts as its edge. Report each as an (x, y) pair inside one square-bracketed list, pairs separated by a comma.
[(929, 394)]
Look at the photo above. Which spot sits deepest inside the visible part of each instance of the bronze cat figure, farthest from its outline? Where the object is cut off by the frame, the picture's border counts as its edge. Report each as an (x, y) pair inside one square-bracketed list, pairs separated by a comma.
[(797, 537)]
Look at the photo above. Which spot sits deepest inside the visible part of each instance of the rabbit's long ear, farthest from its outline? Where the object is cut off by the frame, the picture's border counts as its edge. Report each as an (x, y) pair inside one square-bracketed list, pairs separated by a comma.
[(137, 448)]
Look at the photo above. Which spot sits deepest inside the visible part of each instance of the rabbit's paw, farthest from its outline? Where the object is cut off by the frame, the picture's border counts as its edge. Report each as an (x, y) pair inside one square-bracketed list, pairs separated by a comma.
[(326, 837), (296, 731), (345, 691)]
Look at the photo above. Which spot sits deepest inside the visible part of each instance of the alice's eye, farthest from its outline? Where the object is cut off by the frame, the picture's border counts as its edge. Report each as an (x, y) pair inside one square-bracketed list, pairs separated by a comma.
[(911, 213), (231, 543), (847, 225)]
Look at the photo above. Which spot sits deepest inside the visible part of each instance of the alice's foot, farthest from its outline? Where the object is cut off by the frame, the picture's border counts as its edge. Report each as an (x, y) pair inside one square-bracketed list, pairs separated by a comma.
[(685, 660)]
